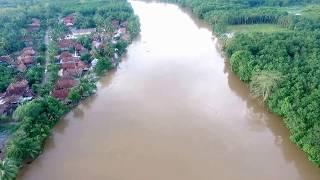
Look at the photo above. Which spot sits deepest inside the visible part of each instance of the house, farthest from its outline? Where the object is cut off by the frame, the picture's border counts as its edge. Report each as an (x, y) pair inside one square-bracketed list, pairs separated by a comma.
[(60, 94), (9, 104), (63, 86), (25, 59), (28, 51), (15, 94), (35, 25), (78, 47), (65, 54), (76, 33), (66, 44), (20, 88), (80, 50), (69, 21), (73, 68), (6, 60), (65, 82), (82, 32), (74, 72), (69, 60)]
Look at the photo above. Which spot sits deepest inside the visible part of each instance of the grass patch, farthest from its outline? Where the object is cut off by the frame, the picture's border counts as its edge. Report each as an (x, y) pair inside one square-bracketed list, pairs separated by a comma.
[(312, 11), (266, 28)]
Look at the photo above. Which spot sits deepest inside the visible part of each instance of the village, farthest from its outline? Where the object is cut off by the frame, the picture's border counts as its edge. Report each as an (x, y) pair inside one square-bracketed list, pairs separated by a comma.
[(74, 60)]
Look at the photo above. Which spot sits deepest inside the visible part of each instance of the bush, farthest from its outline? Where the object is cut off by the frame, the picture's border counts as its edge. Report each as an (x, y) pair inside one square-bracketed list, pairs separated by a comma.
[(102, 66)]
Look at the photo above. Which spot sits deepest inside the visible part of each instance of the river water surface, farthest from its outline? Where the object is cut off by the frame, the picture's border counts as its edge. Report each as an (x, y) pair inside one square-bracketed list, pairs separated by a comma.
[(171, 111)]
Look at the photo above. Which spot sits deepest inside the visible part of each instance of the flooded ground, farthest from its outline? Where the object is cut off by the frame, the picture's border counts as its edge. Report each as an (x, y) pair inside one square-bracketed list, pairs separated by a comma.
[(171, 111)]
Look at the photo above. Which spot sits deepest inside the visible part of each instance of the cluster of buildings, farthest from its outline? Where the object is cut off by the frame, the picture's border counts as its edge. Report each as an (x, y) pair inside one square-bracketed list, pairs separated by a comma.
[(71, 66), (33, 27), (16, 93), (19, 91), (25, 59)]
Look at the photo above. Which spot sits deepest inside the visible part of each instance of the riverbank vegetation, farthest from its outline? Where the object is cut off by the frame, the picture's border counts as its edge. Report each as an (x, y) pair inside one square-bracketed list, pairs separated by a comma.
[(280, 64), (51, 55)]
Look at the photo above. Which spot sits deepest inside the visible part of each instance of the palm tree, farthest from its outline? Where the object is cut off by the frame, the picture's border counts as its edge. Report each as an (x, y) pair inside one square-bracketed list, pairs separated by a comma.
[(8, 169), (264, 82), (22, 147)]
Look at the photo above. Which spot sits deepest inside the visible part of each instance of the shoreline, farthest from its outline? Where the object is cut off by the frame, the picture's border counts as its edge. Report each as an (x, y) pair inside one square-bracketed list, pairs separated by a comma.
[(310, 152)]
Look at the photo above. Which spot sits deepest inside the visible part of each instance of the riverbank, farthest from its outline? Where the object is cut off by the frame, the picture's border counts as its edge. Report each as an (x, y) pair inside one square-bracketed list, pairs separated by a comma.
[(276, 68)]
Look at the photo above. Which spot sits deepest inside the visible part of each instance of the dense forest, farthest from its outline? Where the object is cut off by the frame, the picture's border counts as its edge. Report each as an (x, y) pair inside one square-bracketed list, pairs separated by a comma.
[(281, 68), (26, 24)]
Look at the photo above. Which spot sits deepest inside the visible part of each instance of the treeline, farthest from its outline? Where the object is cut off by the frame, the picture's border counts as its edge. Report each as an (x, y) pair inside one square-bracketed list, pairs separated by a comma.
[(281, 68), (220, 13)]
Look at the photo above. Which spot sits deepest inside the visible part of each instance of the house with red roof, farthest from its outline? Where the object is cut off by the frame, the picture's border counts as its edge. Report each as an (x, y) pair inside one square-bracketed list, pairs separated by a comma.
[(63, 86), (60, 94), (66, 44), (15, 94)]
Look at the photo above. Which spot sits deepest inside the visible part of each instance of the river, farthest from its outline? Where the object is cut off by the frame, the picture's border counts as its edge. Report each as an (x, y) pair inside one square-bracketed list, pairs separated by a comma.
[(171, 111)]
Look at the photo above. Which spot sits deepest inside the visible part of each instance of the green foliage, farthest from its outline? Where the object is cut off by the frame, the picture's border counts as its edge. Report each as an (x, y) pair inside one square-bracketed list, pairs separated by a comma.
[(221, 14), (36, 120), (241, 64), (43, 48), (85, 41), (35, 74), (134, 26), (121, 46), (41, 60), (74, 95), (6, 77), (284, 68), (103, 65), (264, 82), (86, 88), (85, 58), (8, 169)]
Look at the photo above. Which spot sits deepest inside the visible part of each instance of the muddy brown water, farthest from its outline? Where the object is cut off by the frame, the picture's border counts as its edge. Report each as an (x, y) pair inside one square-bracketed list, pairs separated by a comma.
[(171, 111)]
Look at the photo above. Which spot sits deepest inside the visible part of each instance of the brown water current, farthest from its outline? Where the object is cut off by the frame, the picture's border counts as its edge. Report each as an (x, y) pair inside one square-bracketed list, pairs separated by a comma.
[(171, 111)]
